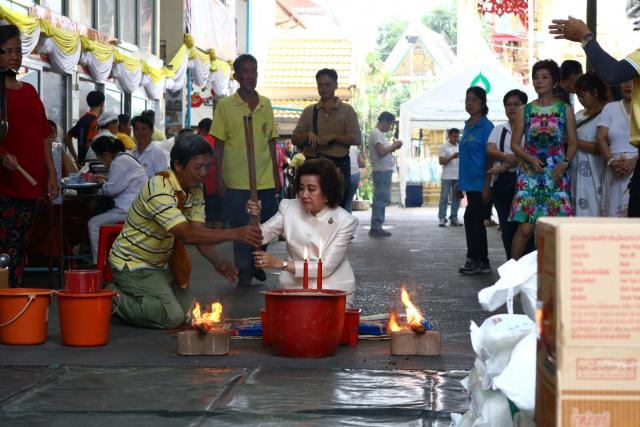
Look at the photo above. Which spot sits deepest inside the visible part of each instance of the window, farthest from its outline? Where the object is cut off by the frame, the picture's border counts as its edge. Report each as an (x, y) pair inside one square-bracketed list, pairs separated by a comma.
[(30, 76), (138, 105), (54, 97), (107, 16), (127, 11), (56, 6), (81, 11), (146, 25), (113, 100), (86, 86)]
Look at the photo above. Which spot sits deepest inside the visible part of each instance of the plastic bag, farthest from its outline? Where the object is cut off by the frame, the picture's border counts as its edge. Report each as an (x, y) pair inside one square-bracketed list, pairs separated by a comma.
[(488, 408), (516, 277), (518, 380), (494, 341)]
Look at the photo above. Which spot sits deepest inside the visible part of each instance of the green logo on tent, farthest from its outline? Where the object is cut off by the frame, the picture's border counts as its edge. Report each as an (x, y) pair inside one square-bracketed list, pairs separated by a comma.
[(481, 80)]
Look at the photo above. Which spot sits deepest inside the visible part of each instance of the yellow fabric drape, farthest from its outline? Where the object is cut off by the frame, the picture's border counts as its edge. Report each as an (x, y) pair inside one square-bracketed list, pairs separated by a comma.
[(67, 42), (130, 63), (178, 58), (25, 24), (102, 52), (155, 74)]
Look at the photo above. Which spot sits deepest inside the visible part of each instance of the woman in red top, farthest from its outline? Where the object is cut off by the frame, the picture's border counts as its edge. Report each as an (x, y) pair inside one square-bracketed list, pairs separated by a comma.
[(26, 144)]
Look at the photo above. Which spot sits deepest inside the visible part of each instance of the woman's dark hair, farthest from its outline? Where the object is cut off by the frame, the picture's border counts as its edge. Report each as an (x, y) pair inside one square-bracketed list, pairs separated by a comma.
[(515, 92), (107, 144), (7, 32), (53, 124), (329, 72), (142, 119), (592, 83), (187, 146), (331, 179), (549, 65), (241, 60), (482, 94)]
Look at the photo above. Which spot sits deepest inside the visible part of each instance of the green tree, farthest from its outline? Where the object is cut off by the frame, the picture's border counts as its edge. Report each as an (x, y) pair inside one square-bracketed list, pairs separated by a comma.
[(388, 36), (443, 21)]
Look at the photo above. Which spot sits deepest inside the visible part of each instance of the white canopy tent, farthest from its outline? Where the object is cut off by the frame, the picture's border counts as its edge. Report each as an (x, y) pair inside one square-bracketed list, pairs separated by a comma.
[(442, 106)]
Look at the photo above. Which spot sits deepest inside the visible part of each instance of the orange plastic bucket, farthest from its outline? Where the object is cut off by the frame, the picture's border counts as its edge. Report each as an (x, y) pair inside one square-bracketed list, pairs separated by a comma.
[(24, 315), (84, 317)]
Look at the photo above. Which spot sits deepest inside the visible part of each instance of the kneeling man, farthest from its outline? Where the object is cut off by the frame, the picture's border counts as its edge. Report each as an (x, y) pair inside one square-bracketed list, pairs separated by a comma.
[(166, 214)]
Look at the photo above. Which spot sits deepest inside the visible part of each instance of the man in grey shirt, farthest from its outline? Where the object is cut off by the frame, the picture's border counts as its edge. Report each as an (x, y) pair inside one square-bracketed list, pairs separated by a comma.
[(382, 168)]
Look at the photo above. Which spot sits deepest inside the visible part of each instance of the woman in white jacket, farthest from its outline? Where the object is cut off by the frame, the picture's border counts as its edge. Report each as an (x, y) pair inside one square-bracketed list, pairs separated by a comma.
[(126, 178), (314, 220)]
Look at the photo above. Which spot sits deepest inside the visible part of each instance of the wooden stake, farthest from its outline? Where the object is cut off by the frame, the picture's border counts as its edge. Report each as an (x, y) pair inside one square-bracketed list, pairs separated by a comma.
[(251, 161)]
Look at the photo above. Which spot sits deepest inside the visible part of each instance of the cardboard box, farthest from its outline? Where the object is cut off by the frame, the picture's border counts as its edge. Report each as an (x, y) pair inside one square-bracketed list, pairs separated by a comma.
[(588, 359)]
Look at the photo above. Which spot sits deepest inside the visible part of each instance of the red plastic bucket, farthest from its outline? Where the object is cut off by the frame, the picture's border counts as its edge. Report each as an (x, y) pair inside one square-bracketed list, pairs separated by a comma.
[(351, 325), (24, 315), (84, 317), (82, 281), (305, 323)]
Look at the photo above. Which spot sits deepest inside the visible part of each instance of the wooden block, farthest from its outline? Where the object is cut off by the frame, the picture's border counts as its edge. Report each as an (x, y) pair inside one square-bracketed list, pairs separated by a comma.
[(4, 278), (408, 343), (194, 343)]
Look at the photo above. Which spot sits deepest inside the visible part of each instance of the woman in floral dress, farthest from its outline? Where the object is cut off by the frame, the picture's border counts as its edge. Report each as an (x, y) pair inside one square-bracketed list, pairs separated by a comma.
[(543, 184)]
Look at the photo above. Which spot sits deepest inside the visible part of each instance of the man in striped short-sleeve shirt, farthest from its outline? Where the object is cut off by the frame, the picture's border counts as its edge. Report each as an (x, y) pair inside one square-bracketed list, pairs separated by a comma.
[(149, 295)]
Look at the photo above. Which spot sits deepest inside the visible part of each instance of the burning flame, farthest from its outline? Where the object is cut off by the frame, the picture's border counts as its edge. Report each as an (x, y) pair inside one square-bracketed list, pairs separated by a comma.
[(320, 251), (414, 316), (393, 323), (305, 254), (206, 320)]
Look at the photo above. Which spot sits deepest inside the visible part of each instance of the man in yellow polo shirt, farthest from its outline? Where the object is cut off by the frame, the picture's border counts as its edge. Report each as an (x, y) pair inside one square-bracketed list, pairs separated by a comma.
[(169, 207), (231, 158)]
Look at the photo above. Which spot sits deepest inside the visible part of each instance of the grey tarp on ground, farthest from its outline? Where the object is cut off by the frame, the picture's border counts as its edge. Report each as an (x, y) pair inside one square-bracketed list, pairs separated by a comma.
[(211, 396)]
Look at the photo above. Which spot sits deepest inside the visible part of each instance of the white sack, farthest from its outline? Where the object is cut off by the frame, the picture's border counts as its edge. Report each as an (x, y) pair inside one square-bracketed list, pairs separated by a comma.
[(516, 277)]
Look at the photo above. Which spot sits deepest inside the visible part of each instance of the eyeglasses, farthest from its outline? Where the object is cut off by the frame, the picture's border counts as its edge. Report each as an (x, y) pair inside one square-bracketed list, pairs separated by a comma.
[(513, 104)]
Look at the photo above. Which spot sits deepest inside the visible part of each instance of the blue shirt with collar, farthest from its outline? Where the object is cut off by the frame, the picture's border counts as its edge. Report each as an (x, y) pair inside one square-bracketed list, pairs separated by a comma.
[(473, 154)]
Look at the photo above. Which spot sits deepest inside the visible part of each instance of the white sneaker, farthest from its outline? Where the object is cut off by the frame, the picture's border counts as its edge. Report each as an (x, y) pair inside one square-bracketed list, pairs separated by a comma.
[(442, 222)]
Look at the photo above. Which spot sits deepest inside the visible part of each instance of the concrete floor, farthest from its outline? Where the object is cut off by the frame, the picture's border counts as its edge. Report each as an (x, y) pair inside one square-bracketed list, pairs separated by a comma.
[(420, 255)]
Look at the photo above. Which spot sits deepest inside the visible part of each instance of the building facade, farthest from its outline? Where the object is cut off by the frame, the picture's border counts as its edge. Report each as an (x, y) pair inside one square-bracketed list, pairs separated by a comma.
[(128, 26)]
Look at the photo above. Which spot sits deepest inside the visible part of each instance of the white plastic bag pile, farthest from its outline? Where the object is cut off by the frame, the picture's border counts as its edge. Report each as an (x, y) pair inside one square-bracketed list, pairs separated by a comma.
[(505, 347)]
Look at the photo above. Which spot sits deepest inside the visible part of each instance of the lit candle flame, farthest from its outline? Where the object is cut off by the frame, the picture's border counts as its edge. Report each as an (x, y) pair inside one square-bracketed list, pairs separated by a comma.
[(305, 254), (320, 251)]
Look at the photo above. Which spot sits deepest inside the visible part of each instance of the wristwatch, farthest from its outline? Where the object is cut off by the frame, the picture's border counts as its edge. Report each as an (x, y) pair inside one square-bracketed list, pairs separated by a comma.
[(285, 265), (586, 39)]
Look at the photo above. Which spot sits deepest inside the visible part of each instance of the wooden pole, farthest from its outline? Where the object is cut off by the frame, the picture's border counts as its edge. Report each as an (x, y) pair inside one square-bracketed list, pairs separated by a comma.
[(251, 161)]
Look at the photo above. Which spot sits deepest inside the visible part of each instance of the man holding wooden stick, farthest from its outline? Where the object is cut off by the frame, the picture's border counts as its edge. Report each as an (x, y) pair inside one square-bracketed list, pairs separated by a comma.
[(234, 170)]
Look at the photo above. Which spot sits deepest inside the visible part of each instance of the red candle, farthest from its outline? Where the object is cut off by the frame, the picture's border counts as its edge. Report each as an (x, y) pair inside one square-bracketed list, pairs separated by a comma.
[(320, 266), (305, 276)]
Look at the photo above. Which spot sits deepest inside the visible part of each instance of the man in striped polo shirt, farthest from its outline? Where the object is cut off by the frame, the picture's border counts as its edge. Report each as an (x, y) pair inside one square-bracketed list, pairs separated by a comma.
[(168, 212)]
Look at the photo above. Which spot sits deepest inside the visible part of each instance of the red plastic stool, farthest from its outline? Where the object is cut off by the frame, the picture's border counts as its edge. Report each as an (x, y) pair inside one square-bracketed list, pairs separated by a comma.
[(107, 236)]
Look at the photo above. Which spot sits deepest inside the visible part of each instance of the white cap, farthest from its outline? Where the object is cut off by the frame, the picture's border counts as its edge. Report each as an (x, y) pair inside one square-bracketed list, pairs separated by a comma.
[(107, 117)]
